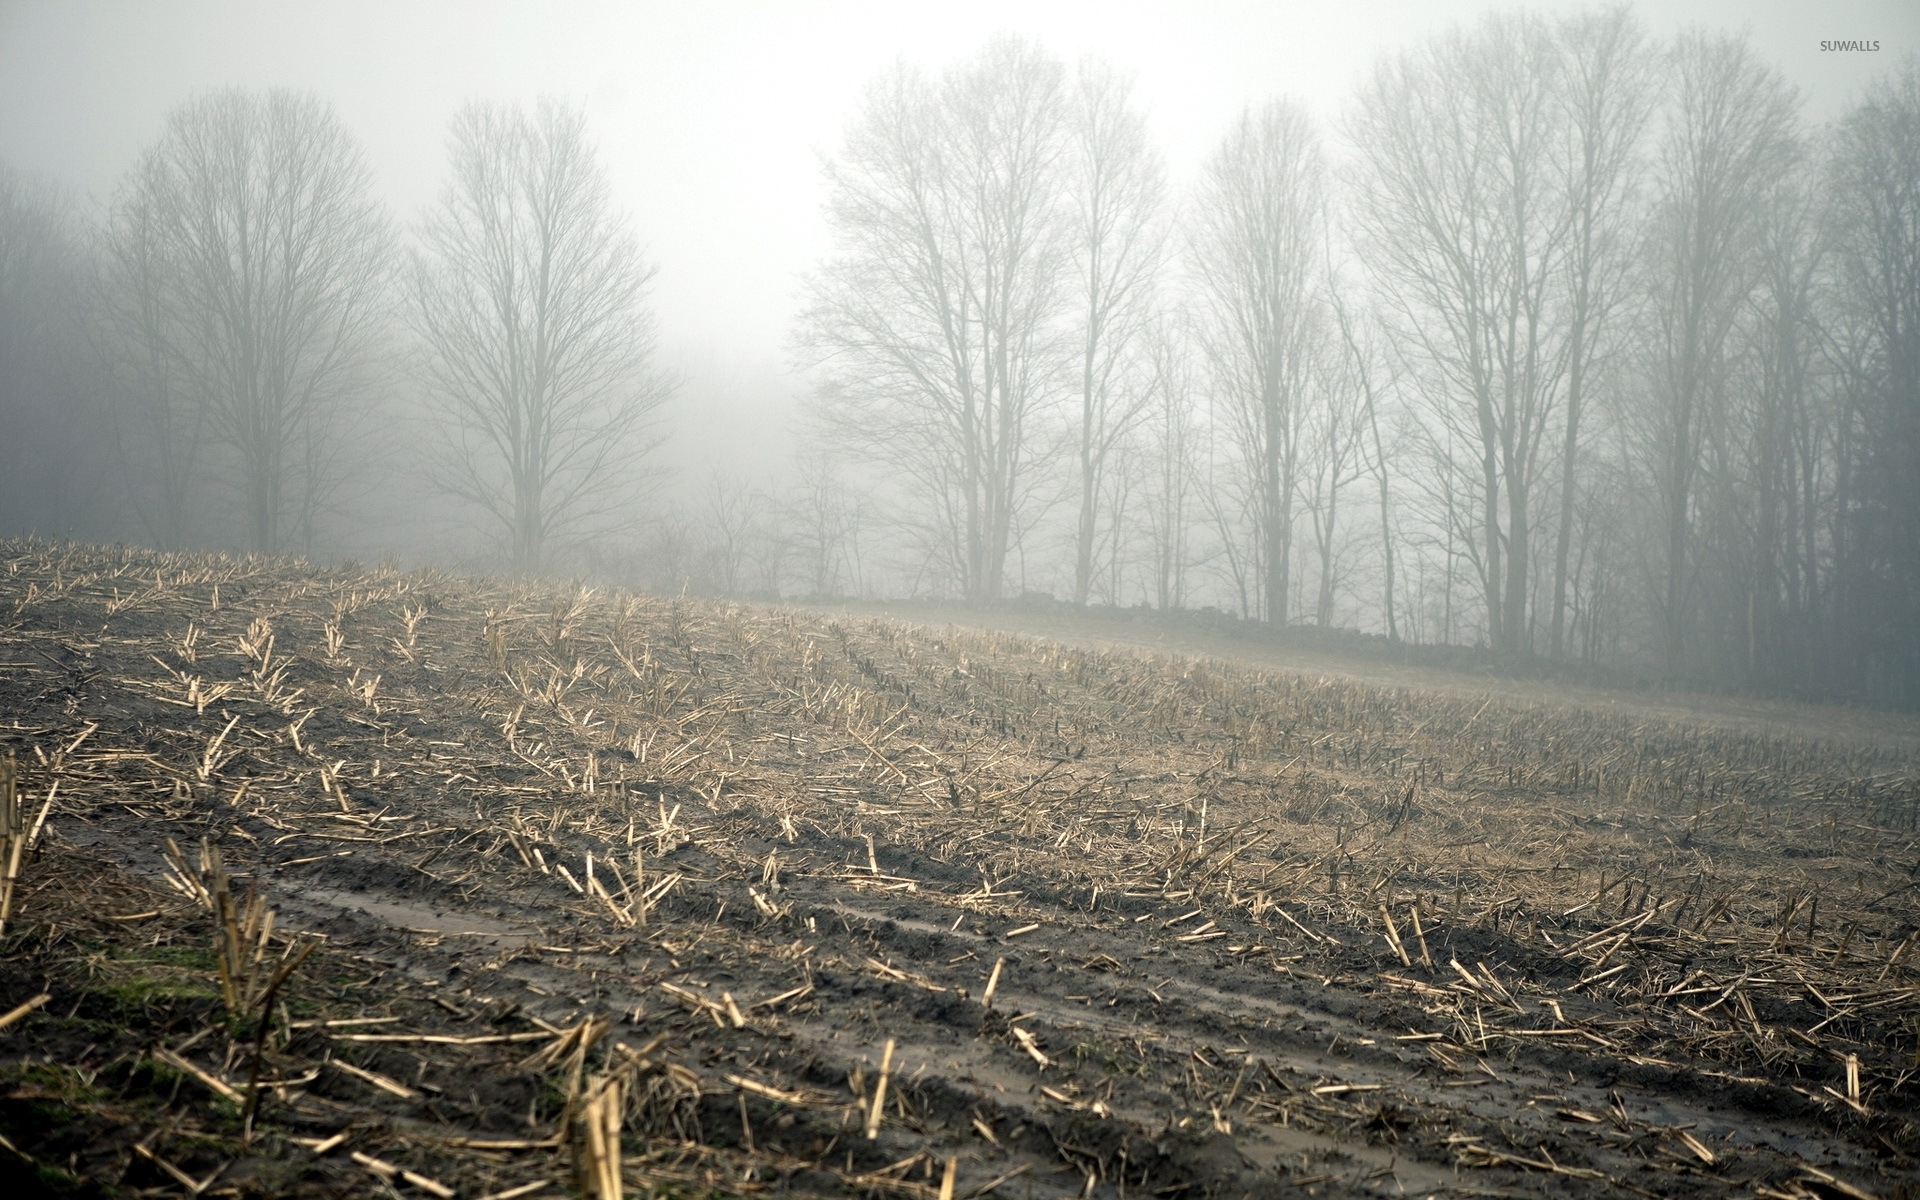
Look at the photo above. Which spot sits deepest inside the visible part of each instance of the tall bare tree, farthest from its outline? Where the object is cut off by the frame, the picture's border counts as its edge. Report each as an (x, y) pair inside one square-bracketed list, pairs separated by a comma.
[(1118, 186), (1463, 225), (936, 324), (1606, 94), (1780, 445), (1729, 135), (528, 297), (1875, 183), (1259, 243), (258, 259)]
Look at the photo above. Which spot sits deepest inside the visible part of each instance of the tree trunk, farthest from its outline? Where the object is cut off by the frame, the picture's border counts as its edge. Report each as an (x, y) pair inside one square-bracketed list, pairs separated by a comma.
[(1576, 377), (1278, 522)]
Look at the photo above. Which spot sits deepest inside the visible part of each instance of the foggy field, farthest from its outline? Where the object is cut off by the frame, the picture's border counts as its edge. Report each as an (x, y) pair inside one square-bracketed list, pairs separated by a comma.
[(683, 897), (1385, 665), (1031, 600), (1586, 333)]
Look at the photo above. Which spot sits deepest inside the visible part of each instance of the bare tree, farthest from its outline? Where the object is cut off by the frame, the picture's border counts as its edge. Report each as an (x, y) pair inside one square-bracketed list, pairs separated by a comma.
[(1259, 236), (1776, 448), (825, 517), (256, 259), (1464, 227), (731, 514), (1875, 183), (1171, 439), (1606, 95), (1332, 455), (1229, 493), (1362, 361), (52, 470), (159, 419), (1729, 135), (1118, 248), (935, 326), (528, 297)]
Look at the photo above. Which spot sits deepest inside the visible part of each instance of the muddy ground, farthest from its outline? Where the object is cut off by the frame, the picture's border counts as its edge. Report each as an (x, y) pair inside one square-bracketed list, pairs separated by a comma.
[(1245, 933)]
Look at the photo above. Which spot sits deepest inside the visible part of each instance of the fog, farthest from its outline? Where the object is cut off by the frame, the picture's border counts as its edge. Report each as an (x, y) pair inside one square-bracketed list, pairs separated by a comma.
[(713, 118), (753, 433)]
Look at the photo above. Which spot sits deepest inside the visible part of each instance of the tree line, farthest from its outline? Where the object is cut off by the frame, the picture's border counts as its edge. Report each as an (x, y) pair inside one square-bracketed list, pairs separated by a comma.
[(1558, 339), (217, 358)]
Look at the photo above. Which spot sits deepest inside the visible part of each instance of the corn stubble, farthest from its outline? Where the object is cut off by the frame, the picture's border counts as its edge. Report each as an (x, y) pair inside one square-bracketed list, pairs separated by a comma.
[(751, 793)]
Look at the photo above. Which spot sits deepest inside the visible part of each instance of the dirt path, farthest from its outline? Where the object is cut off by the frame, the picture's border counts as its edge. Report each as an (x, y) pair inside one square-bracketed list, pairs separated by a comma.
[(1765, 717)]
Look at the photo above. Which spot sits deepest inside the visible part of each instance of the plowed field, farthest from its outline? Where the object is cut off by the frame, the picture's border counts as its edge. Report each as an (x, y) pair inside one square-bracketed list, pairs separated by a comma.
[(577, 891)]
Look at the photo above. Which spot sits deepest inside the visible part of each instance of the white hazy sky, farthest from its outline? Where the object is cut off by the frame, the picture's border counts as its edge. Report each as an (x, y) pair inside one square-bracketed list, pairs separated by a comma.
[(713, 114)]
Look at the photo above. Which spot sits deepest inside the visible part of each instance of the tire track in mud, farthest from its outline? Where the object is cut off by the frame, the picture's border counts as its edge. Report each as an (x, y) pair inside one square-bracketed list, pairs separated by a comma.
[(1325, 1080), (1319, 1084)]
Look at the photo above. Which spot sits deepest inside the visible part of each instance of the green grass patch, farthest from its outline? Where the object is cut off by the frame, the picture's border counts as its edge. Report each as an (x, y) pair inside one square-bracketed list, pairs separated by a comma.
[(157, 976), (185, 958)]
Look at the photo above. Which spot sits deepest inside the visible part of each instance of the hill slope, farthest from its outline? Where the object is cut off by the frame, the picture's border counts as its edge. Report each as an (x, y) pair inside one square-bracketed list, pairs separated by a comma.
[(1244, 933)]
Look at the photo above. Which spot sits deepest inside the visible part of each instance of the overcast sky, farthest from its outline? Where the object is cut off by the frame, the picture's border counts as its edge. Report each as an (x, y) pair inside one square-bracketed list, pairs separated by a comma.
[(712, 116)]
